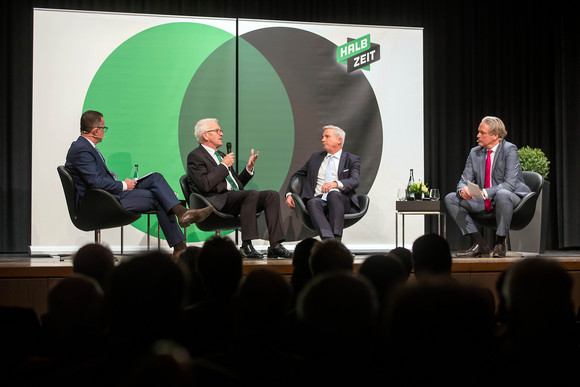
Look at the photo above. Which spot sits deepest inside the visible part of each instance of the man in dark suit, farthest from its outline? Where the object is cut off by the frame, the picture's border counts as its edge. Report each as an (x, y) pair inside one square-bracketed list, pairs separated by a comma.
[(88, 170), (494, 165), (210, 173), (329, 193)]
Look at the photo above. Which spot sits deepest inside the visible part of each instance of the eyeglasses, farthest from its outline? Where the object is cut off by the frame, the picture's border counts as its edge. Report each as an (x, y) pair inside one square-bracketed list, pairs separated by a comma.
[(215, 130), (105, 128)]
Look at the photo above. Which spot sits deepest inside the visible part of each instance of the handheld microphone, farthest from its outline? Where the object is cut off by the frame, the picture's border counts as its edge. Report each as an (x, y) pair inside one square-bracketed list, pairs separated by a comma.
[(229, 147)]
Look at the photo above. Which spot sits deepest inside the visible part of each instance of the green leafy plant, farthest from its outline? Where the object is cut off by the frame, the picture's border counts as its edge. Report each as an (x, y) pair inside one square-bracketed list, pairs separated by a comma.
[(534, 159), (419, 188)]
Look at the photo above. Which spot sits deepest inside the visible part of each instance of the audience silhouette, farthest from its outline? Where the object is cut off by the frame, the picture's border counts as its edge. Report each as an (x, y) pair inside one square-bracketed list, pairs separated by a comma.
[(337, 316), (386, 273), (434, 324), (201, 321), (301, 272), (406, 257), (96, 261), (188, 262), (209, 324), (330, 255), (540, 332), (431, 257)]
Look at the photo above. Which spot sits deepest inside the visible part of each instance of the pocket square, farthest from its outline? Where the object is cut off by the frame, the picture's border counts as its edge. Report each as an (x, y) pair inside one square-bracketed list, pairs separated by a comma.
[(346, 170)]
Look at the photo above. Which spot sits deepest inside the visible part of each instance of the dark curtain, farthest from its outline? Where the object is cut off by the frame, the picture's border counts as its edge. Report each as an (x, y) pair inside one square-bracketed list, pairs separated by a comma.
[(505, 58)]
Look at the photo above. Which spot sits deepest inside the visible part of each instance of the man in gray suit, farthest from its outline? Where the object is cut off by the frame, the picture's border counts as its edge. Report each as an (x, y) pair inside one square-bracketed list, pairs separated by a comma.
[(494, 166)]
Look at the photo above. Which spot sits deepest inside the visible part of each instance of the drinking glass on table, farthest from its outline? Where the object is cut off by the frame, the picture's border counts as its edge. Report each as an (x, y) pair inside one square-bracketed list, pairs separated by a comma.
[(402, 194), (435, 194)]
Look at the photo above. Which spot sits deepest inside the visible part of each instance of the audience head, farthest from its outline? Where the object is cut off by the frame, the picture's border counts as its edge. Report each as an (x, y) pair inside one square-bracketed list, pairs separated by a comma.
[(435, 324), (406, 257), (262, 301), (330, 255), (147, 297), (220, 266), (75, 319), (538, 302), (385, 272), (188, 262), (431, 256), (95, 261), (338, 304), (301, 272)]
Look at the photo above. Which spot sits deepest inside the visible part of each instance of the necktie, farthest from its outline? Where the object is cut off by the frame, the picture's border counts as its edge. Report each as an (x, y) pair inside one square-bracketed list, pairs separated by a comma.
[(487, 183), (228, 177), (102, 158), (328, 174)]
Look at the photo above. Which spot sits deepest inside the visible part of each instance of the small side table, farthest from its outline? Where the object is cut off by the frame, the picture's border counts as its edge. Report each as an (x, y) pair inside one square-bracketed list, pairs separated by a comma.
[(419, 207)]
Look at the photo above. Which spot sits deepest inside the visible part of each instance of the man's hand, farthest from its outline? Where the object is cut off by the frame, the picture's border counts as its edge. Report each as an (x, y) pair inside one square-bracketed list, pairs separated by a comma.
[(326, 187), (290, 201), (228, 160), (252, 160), (464, 193), (130, 184)]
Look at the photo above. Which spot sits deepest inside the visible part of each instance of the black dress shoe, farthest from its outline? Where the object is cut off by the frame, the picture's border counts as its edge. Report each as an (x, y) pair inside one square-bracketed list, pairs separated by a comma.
[(250, 253), (475, 250), (498, 251), (193, 216), (279, 252)]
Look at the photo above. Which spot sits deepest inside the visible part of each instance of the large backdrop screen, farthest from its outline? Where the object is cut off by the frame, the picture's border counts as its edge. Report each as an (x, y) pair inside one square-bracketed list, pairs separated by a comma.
[(271, 85)]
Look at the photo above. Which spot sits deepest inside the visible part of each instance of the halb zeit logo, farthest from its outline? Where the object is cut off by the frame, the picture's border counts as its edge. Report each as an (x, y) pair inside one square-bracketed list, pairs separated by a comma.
[(358, 53)]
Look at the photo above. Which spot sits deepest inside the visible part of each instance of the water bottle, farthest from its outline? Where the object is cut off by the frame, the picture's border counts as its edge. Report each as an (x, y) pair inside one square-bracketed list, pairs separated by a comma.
[(410, 196), (136, 174)]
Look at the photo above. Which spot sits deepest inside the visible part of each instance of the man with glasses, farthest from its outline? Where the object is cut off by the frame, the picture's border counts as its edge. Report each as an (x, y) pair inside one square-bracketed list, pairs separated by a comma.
[(89, 171), (210, 174)]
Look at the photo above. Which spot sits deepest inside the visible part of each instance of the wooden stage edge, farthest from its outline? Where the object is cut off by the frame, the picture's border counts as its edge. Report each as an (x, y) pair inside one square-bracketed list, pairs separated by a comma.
[(26, 282), (19, 267)]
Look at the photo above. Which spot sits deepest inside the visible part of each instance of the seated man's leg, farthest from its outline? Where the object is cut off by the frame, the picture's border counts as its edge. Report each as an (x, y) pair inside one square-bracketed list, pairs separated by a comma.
[(316, 208), (459, 210), (269, 202), (504, 203), (338, 204), (143, 200), (164, 194), (167, 199), (245, 204)]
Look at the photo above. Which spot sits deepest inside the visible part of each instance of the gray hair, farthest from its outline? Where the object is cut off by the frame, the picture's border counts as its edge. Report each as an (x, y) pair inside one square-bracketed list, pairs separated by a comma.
[(201, 128), (496, 126), (337, 131)]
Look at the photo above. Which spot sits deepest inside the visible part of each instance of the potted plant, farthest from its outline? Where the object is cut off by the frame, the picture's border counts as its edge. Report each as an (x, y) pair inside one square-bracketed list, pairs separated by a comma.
[(534, 159), (533, 237), (419, 190)]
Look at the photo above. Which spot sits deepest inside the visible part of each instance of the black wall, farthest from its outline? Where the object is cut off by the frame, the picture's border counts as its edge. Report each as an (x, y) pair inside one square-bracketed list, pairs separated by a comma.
[(498, 57)]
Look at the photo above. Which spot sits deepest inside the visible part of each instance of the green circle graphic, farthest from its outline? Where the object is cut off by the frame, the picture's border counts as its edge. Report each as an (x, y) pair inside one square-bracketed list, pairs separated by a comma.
[(139, 89)]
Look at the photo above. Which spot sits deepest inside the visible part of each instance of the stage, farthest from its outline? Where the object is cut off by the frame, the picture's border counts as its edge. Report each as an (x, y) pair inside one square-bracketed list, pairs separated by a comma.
[(26, 281)]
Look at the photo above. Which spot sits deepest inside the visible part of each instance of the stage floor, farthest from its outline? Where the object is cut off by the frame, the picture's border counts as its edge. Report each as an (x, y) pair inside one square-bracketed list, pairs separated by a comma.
[(18, 265)]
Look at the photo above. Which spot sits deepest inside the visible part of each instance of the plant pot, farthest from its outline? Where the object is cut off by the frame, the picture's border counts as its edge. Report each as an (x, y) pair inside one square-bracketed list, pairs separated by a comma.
[(418, 196)]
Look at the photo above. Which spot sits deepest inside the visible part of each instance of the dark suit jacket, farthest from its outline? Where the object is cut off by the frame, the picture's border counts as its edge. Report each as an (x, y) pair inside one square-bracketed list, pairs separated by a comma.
[(209, 179), (348, 174), (88, 169), (506, 171)]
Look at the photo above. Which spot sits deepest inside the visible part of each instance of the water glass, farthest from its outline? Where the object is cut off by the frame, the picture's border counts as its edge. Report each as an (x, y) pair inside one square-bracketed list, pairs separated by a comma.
[(402, 194), (435, 194)]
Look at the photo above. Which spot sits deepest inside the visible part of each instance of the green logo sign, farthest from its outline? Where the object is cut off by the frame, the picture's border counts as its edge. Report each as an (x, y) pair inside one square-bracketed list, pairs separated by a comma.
[(358, 53)]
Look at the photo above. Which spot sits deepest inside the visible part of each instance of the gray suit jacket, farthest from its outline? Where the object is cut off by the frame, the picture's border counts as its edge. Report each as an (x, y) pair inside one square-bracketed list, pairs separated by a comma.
[(506, 170)]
